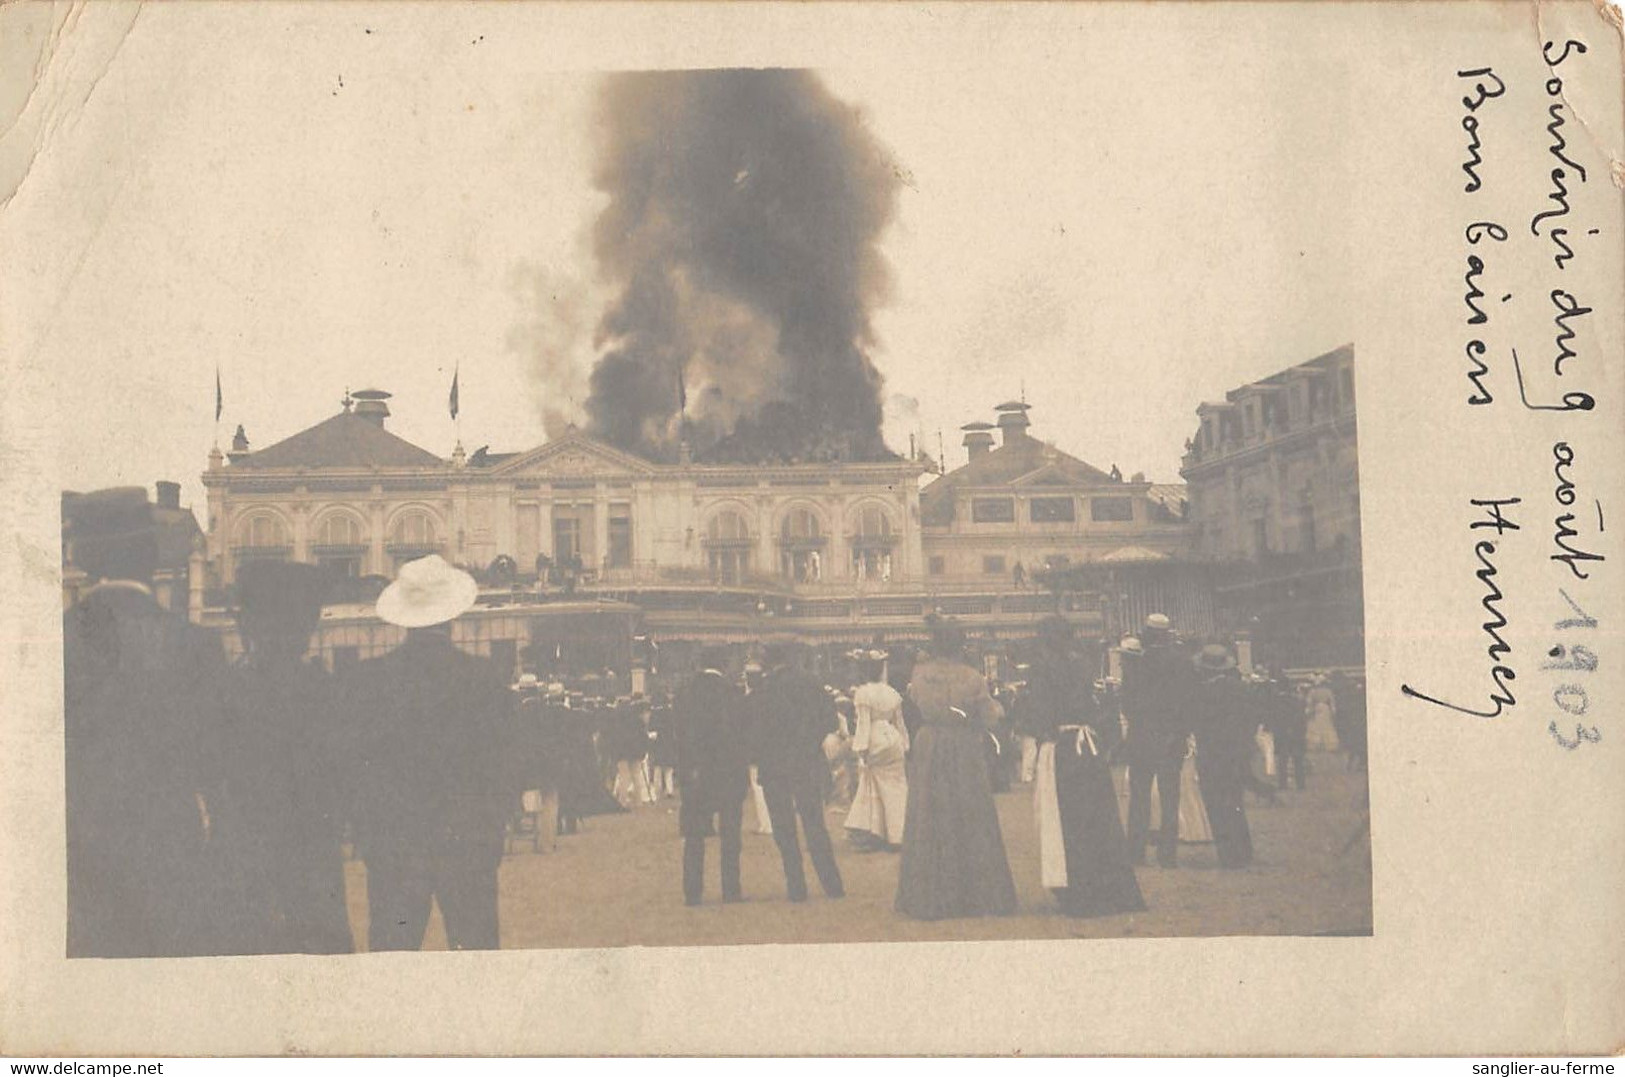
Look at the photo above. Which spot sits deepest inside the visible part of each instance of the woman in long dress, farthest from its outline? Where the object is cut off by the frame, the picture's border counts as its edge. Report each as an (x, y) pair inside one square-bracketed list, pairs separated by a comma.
[(1083, 857), (881, 744), (954, 862), (1320, 707)]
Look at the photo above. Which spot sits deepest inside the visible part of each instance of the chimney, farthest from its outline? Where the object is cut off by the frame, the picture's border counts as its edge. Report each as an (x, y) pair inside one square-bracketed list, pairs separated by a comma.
[(369, 405), (1013, 421), (169, 495), (977, 439)]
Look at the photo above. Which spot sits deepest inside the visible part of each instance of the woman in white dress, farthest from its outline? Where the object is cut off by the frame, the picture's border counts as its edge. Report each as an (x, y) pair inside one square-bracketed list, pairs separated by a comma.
[(1321, 709), (880, 741)]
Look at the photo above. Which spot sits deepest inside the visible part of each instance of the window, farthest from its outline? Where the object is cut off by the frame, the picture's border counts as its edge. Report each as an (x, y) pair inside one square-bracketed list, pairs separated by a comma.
[(263, 530), (1306, 530), (414, 529), (937, 566), (728, 547), (340, 529), (566, 539), (993, 510), (871, 563), (872, 523), (801, 536), (728, 526), (1052, 510), (729, 566), (1111, 509), (1261, 537), (993, 566), (801, 525), (620, 542)]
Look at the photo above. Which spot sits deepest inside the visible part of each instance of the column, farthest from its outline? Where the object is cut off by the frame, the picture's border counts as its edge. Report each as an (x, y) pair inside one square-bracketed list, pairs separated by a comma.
[(377, 565), (600, 528)]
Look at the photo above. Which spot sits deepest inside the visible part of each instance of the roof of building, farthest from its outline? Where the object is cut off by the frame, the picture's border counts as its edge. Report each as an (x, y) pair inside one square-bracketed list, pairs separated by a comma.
[(344, 441), (1018, 457)]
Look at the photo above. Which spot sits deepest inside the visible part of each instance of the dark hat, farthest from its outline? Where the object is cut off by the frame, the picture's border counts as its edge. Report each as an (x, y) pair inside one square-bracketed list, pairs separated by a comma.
[(1215, 658), (111, 533), (280, 596)]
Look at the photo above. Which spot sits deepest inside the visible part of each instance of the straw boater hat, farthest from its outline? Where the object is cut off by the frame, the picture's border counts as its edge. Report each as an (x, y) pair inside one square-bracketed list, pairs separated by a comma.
[(1131, 645), (527, 682), (428, 591), (1160, 622)]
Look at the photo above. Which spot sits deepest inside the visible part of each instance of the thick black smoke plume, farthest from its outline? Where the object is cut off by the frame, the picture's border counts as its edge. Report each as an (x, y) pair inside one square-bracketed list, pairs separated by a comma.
[(745, 209)]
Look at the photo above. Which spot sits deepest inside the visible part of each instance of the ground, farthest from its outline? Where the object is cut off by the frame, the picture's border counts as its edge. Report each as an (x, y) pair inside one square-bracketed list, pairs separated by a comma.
[(618, 883)]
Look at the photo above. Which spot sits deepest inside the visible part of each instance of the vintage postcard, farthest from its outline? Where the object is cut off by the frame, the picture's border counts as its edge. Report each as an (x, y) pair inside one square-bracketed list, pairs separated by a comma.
[(864, 528)]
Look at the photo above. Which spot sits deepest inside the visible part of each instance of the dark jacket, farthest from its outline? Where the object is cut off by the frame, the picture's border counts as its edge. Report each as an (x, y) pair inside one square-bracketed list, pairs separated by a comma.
[(143, 692), (435, 776), (1058, 695), (790, 716), (1158, 697), (708, 726)]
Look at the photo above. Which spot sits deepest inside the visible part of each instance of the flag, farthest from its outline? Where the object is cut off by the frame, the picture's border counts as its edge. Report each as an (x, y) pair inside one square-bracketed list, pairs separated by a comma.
[(682, 393), (452, 403), (219, 397)]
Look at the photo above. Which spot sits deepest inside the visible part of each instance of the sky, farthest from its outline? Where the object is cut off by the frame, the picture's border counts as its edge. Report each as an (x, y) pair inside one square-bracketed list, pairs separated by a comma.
[(1121, 220)]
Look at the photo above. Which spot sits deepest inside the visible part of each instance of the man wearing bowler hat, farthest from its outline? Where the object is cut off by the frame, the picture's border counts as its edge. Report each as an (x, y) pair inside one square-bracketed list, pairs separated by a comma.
[(142, 692), (713, 772), (283, 755), (434, 787)]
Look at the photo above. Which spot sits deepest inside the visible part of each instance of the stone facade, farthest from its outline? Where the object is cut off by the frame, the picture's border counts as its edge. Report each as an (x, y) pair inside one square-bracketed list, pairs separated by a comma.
[(1273, 480)]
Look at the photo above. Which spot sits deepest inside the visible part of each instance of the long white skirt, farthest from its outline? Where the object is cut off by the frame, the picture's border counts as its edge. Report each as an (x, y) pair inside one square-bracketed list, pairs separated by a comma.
[(1194, 825), (881, 801), (1321, 734)]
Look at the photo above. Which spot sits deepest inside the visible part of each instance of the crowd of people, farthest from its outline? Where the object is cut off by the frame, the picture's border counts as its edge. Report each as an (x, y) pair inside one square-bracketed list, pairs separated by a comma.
[(211, 804)]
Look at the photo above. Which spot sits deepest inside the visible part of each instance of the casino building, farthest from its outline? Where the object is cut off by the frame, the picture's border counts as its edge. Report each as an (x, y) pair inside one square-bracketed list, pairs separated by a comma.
[(580, 546)]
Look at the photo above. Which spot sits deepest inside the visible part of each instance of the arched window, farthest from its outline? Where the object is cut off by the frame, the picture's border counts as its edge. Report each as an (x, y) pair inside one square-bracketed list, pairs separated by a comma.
[(727, 541), (340, 543), (801, 541), (871, 544), (413, 534), (340, 529), (800, 525), (872, 522), (263, 536), (729, 526)]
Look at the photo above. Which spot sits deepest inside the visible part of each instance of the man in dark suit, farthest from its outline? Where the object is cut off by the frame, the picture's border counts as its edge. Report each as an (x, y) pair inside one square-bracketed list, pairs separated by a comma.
[(1157, 700), (435, 783), (284, 771), (713, 772), (790, 717), (142, 697)]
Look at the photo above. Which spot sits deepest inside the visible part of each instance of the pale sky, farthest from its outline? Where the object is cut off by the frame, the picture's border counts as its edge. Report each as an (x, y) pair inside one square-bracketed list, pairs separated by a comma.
[(1129, 219)]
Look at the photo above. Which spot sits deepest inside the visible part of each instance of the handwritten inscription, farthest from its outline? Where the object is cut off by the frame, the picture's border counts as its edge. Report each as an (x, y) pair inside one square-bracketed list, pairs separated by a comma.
[(1500, 673), (1554, 395)]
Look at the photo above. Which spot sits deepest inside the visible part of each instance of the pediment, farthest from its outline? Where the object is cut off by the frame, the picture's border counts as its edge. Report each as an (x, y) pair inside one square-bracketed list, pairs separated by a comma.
[(574, 456), (1048, 475)]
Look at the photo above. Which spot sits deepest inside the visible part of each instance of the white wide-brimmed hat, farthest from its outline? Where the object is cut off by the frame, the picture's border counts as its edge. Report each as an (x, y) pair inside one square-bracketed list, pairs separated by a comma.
[(428, 591), (1132, 645)]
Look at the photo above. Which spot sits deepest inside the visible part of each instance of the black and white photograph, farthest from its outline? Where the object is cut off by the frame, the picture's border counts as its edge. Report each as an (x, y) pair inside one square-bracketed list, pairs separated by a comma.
[(714, 496), (723, 561)]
